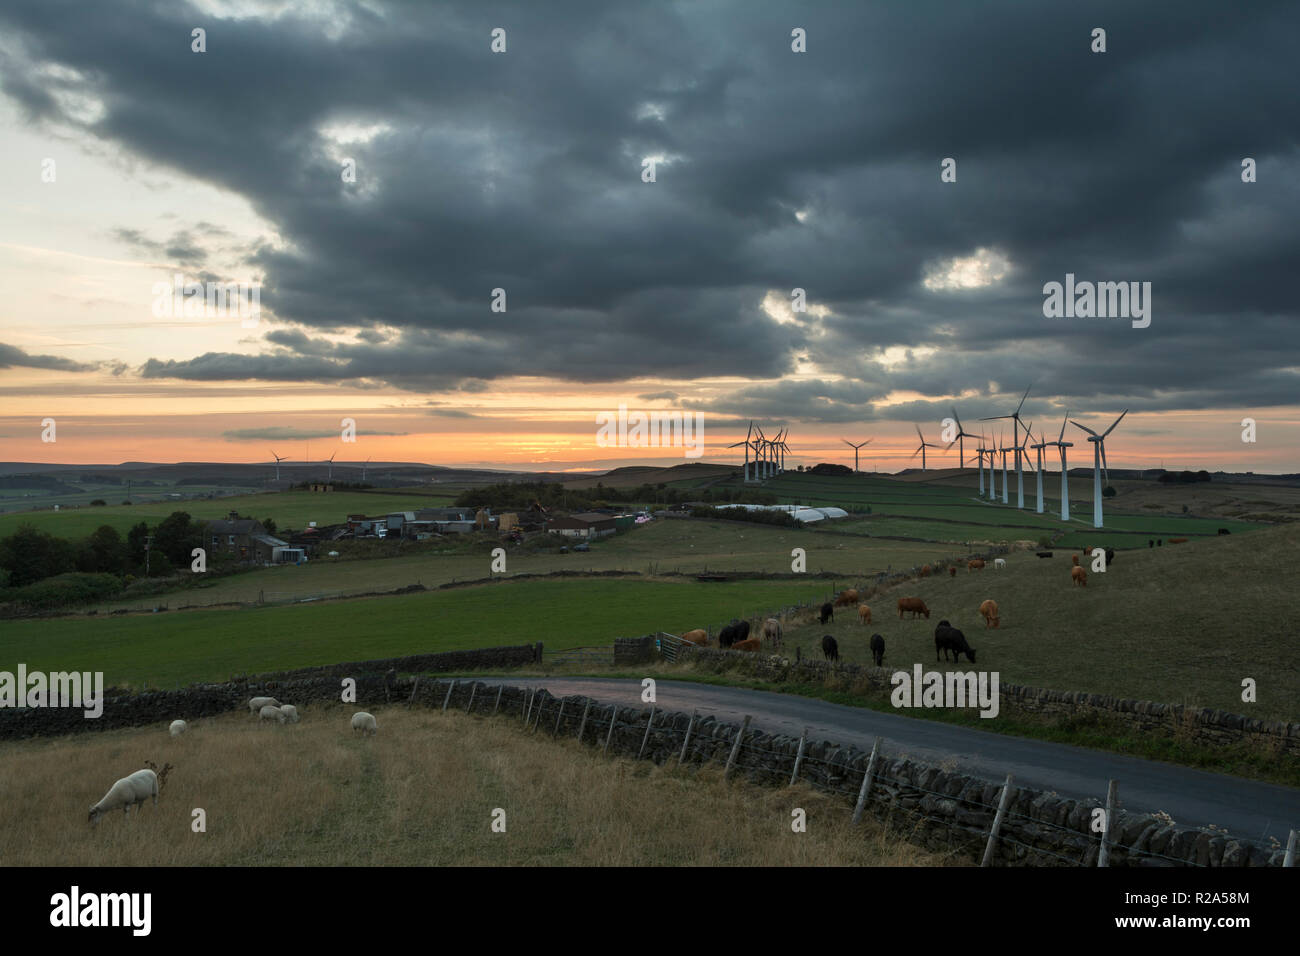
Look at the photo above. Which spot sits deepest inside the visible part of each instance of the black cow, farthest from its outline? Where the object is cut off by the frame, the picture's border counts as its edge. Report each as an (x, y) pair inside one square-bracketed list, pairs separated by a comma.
[(947, 639), (1224, 531), (1044, 554), (830, 649), (1150, 543), (828, 612), (1110, 556), (877, 649), (1160, 542), (729, 635)]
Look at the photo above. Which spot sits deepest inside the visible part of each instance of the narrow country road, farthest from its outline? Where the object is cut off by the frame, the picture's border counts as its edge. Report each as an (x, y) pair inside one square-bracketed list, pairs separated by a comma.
[(1247, 808)]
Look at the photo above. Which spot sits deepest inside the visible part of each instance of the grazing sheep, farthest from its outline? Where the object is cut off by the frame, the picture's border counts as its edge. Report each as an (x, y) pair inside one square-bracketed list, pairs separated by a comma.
[(864, 613), (948, 638), (290, 713), (1044, 554), (257, 703), (952, 571), (365, 723), (989, 611), (177, 728), (828, 612), (999, 564), (749, 644), (846, 597), (925, 570), (913, 604), (878, 649), (699, 637), (830, 648), (1078, 576), (271, 713), (975, 565), (126, 793), (772, 631)]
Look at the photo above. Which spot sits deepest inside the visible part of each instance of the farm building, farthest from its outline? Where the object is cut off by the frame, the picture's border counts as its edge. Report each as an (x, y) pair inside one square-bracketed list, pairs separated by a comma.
[(583, 525), (244, 537)]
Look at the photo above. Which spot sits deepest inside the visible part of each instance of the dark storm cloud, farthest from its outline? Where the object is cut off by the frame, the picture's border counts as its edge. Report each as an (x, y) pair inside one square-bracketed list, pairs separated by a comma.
[(522, 171), (11, 356)]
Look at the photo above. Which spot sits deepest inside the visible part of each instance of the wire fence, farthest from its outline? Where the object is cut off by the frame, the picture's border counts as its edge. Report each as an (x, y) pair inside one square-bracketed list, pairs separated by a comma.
[(964, 815)]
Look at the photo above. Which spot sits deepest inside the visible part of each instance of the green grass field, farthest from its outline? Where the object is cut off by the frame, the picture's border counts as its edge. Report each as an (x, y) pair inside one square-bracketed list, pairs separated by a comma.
[(179, 648), (289, 509)]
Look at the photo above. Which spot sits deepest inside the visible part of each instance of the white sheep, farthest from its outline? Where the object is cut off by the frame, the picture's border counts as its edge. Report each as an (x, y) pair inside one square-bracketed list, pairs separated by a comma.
[(127, 792), (257, 703), (271, 713), (999, 563), (290, 713), (365, 723), (178, 727)]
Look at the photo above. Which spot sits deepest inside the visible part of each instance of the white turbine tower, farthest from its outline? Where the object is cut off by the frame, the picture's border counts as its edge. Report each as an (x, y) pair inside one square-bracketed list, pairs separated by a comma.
[(331, 464), (1004, 449), (979, 453), (855, 450), (1065, 484), (363, 470), (1098, 463), (278, 459), (1015, 446), (1042, 443)]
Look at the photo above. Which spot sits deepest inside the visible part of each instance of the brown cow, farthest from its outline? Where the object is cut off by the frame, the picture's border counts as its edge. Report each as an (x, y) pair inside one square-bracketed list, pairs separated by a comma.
[(1177, 540), (698, 636), (749, 644), (989, 610), (952, 572), (847, 596), (975, 565), (915, 605), (864, 613), (925, 570), (1074, 559), (1078, 576)]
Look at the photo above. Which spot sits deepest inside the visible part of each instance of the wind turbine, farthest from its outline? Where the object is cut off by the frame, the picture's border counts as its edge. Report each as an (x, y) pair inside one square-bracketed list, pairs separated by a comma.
[(278, 459), (331, 464), (1065, 491), (1098, 463), (1004, 449), (961, 433), (784, 448), (748, 445), (855, 450), (1015, 445), (761, 448), (1025, 439), (363, 470), (1042, 443), (979, 453), (924, 445)]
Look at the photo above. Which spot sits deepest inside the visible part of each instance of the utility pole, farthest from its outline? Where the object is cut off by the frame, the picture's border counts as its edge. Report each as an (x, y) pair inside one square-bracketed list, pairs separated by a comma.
[(148, 543)]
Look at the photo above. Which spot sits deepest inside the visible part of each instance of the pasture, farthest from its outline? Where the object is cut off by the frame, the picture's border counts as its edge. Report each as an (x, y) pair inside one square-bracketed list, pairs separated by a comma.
[(421, 793), (289, 509), (1179, 624)]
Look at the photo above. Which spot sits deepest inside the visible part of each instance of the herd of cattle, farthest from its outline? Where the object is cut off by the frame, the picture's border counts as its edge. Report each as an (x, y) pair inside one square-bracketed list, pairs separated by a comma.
[(947, 639)]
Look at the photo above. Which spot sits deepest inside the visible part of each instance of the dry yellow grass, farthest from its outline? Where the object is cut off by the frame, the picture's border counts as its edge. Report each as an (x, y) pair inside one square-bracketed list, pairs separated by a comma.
[(420, 793)]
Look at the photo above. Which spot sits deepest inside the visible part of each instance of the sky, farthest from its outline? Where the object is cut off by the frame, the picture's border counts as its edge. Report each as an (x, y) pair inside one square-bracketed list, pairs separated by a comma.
[(375, 171)]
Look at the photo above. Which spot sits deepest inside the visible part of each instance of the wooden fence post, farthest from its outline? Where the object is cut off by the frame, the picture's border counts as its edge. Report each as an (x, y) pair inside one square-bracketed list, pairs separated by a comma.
[(500, 688), (997, 823), (541, 704), (648, 724), (1289, 859), (529, 709), (735, 747), (798, 758), (473, 689), (1103, 855), (583, 726), (686, 742), (410, 700), (613, 716), (446, 700), (558, 715), (866, 781)]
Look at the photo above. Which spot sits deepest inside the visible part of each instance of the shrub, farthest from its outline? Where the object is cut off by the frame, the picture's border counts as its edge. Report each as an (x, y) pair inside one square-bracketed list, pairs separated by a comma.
[(65, 590)]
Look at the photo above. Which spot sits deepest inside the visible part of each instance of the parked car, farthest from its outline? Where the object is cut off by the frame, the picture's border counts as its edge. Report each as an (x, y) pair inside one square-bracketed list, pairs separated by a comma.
[(582, 546)]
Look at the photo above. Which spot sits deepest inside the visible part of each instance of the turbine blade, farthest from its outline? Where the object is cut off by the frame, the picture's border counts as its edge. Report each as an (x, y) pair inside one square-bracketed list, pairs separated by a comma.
[(1084, 427), (1063, 421), (1117, 421)]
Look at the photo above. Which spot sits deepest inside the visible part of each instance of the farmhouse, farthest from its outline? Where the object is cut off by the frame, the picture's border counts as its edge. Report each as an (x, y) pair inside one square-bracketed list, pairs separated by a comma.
[(583, 525), (246, 538)]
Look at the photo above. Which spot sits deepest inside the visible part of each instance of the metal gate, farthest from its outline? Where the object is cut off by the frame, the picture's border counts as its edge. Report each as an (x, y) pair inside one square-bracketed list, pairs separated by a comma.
[(669, 645)]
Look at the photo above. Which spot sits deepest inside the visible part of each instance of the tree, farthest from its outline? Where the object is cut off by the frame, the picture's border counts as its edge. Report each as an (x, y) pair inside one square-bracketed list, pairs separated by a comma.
[(176, 536), (269, 525), (104, 551), (135, 539), (31, 555), (1108, 491)]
